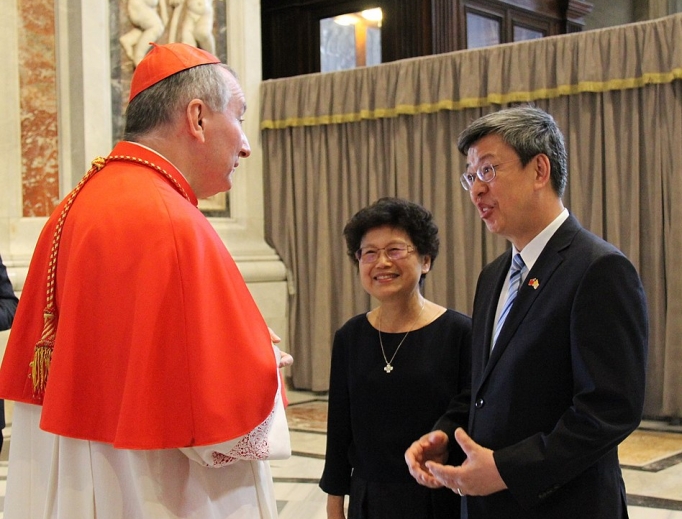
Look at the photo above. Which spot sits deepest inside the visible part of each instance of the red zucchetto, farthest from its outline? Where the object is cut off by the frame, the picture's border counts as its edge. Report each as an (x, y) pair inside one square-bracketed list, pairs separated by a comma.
[(163, 61)]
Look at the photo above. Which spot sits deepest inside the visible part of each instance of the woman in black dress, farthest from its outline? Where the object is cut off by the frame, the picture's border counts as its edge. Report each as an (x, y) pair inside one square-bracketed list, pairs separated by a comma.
[(394, 370)]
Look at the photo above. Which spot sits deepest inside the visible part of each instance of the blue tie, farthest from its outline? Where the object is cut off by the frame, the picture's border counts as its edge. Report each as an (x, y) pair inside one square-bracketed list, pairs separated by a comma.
[(514, 283)]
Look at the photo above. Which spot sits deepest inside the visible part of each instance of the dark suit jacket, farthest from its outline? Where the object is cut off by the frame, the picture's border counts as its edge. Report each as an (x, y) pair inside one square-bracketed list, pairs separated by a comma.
[(564, 384), (8, 306), (8, 301)]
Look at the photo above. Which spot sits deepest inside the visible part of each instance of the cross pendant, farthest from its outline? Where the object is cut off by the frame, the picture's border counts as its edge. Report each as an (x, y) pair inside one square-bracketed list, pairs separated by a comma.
[(388, 368)]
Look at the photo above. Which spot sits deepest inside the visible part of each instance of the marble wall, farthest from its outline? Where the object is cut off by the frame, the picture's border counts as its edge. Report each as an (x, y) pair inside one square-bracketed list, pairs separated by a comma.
[(38, 87)]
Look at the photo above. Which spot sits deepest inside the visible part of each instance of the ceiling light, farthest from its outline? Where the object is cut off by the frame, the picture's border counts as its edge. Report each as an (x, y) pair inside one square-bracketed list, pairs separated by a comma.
[(373, 15), (346, 19)]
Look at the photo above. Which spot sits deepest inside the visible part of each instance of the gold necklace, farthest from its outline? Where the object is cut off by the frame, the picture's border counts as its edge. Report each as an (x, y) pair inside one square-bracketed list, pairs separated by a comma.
[(389, 366)]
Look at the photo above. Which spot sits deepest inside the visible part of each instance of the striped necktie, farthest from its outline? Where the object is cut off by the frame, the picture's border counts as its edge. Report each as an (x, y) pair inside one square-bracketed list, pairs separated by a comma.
[(514, 283)]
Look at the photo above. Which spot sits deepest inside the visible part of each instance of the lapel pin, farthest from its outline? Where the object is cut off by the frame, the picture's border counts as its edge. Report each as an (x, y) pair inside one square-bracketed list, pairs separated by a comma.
[(534, 283)]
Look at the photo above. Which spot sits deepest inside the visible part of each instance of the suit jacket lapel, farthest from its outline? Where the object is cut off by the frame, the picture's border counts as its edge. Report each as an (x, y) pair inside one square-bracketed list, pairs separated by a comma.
[(542, 271)]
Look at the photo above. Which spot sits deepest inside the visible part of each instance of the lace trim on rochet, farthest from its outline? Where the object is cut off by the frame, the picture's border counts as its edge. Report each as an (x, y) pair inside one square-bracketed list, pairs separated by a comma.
[(253, 446)]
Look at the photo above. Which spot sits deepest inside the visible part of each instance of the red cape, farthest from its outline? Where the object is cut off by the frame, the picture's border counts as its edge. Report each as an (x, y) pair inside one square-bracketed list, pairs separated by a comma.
[(159, 343)]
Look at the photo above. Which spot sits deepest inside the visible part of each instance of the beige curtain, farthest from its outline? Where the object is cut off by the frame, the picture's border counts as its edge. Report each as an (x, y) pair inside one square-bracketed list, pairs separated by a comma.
[(336, 142)]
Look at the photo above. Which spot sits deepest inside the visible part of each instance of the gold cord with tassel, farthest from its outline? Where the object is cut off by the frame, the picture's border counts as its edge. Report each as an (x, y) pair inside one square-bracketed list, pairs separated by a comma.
[(42, 355)]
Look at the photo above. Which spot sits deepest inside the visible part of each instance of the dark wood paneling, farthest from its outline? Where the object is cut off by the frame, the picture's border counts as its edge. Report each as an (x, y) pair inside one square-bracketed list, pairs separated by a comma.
[(445, 23), (546, 8), (410, 28)]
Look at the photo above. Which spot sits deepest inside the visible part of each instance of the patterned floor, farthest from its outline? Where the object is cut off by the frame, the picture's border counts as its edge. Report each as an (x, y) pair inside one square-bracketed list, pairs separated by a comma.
[(651, 460)]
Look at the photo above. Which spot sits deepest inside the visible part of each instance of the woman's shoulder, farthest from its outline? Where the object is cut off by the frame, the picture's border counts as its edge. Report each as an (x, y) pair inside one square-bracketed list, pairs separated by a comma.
[(451, 319), (456, 316), (355, 324), (354, 333)]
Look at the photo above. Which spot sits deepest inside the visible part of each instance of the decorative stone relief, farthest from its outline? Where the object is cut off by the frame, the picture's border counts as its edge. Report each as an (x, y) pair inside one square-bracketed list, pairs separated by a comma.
[(186, 21), (148, 18), (196, 27)]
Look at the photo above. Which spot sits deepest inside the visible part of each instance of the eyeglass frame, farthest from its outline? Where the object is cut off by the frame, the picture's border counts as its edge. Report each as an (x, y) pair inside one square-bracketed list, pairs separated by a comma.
[(464, 178), (409, 249)]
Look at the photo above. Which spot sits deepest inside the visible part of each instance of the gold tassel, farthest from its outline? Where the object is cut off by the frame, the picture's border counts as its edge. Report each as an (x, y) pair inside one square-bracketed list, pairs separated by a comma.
[(42, 355), (40, 366)]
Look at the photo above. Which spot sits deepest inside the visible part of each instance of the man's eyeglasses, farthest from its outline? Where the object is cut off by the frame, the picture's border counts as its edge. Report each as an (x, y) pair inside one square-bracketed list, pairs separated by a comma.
[(485, 173), (393, 253)]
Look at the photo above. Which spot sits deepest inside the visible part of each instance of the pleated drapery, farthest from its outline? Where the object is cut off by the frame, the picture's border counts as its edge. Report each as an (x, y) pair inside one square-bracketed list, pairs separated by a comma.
[(334, 143)]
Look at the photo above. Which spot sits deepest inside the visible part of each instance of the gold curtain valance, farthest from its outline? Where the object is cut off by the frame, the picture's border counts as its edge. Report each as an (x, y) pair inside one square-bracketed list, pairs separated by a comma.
[(592, 61)]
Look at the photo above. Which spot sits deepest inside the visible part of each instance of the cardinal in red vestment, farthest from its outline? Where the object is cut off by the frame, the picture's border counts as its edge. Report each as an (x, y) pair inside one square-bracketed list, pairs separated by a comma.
[(145, 378)]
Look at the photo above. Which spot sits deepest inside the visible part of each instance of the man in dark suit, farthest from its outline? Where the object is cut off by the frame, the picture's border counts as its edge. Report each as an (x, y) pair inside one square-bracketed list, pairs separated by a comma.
[(8, 306), (8, 301), (558, 382)]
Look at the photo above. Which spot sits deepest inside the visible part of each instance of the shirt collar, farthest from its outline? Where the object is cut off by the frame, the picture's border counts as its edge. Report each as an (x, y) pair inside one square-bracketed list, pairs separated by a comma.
[(532, 251), (160, 155)]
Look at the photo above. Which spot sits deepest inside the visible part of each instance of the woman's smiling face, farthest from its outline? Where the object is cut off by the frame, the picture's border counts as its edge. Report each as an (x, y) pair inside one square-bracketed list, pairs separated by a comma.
[(385, 278)]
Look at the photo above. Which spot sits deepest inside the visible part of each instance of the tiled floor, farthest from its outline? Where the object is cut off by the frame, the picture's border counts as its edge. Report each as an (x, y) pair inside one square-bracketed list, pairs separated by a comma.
[(654, 488)]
